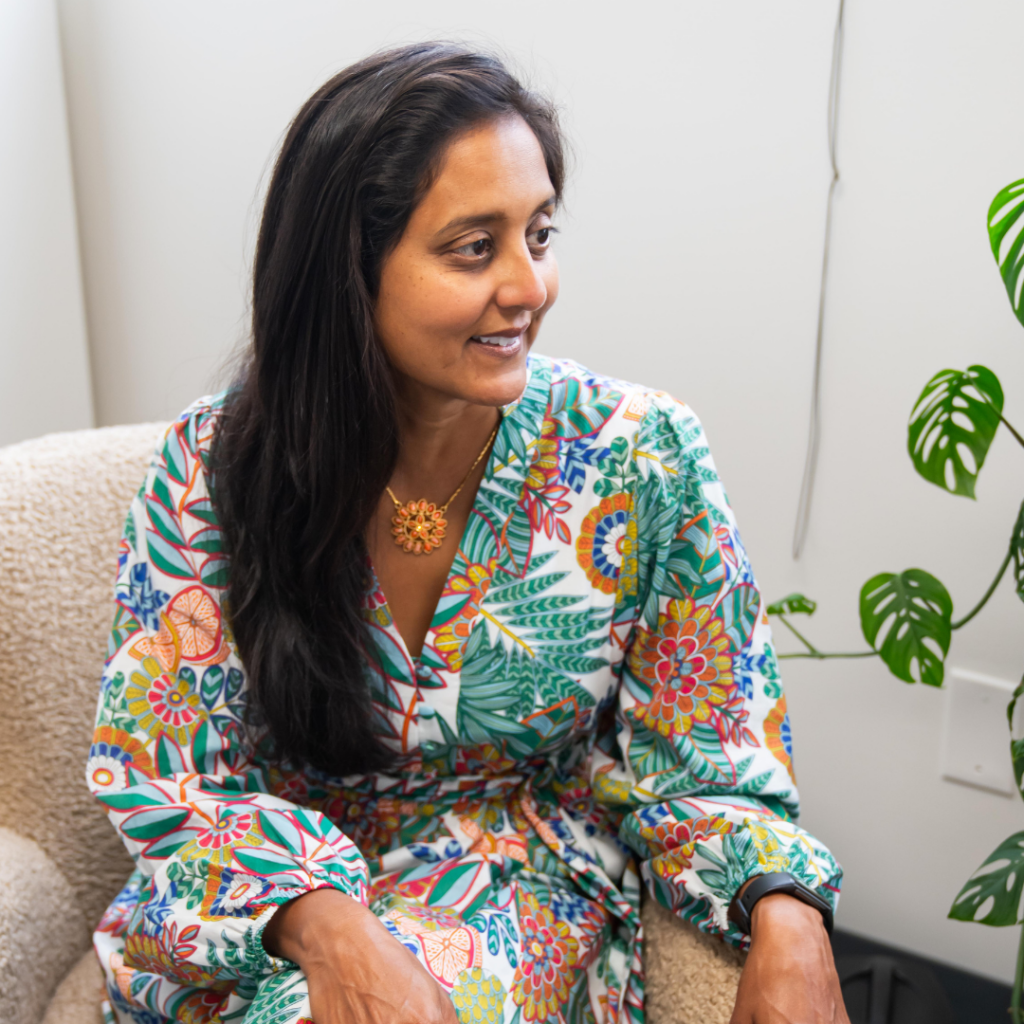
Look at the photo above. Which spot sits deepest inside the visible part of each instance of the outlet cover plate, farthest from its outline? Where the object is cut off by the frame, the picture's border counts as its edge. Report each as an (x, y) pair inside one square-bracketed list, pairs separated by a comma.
[(976, 736)]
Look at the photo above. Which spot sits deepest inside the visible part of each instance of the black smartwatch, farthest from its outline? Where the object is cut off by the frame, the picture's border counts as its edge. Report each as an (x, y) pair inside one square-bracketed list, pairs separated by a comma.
[(778, 881)]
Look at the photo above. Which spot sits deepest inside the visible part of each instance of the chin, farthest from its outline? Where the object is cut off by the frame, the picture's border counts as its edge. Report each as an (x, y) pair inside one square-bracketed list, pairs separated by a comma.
[(502, 389)]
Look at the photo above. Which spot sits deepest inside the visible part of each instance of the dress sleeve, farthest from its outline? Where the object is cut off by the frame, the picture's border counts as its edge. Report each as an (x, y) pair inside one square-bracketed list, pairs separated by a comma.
[(217, 853), (700, 759)]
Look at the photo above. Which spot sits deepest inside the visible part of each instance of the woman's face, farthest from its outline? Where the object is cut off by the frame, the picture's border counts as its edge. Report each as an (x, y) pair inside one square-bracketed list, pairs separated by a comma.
[(463, 294)]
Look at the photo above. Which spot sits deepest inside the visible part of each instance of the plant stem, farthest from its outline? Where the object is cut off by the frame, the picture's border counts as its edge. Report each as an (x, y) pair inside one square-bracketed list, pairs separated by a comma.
[(1018, 983), (988, 593), (821, 655), (813, 651), (1009, 427)]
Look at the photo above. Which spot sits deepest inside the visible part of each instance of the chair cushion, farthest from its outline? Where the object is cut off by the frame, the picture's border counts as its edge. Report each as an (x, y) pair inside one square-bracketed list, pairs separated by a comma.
[(63, 499), (691, 977), (78, 997), (42, 930)]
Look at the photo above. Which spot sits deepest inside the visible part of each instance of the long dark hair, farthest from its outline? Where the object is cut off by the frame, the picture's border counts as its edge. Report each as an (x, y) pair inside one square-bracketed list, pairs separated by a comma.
[(307, 439)]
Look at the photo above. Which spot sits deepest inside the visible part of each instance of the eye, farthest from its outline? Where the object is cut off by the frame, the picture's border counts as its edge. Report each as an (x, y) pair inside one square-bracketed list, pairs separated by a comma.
[(540, 239), (477, 249)]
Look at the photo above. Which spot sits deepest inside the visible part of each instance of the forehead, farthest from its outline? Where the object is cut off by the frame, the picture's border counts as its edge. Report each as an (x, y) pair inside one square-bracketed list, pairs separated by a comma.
[(496, 168)]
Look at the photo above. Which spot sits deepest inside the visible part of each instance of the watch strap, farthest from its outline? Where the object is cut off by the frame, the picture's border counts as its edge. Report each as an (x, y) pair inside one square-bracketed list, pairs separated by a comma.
[(777, 882)]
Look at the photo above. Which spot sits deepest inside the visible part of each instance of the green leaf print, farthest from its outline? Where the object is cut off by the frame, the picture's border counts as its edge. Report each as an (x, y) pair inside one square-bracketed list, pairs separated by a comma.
[(651, 754), (580, 409), (213, 683), (167, 558), (215, 572), (154, 823), (209, 540), (174, 458), (278, 998), (993, 893), (517, 539), (702, 755), (166, 524)]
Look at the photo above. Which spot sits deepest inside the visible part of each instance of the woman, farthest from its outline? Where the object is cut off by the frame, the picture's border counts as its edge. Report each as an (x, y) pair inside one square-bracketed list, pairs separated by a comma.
[(437, 805)]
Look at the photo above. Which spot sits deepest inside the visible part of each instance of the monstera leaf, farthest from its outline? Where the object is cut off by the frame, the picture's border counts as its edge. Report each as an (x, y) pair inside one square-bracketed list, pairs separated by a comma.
[(1007, 241), (992, 896), (1016, 745), (910, 613), (952, 426), (1017, 551), (793, 604)]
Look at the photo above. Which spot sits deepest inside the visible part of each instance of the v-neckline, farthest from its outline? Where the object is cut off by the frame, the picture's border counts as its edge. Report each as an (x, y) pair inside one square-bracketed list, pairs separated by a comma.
[(501, 444), (377, 588)]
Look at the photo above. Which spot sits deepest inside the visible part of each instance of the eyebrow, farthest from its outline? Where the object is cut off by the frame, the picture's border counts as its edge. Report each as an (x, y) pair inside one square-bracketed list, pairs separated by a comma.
[(487, 218)]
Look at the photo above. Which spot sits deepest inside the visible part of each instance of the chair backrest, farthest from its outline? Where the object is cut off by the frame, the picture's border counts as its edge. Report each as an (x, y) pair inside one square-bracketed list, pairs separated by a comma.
[(63, 500)]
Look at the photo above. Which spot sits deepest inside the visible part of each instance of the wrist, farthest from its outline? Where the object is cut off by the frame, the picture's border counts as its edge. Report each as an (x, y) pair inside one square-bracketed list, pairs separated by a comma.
[(301, 928), (782, 914)]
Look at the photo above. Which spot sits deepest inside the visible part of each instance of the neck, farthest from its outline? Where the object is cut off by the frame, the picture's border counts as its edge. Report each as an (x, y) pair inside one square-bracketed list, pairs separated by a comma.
[(439, 438)]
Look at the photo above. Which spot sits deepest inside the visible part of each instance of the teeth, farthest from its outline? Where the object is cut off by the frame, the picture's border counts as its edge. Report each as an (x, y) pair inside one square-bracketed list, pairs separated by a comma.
[(494, 339)]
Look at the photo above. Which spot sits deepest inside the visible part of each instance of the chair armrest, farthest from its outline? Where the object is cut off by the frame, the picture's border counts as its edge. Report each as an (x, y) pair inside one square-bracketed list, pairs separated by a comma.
[(690, 976), (42, 929)]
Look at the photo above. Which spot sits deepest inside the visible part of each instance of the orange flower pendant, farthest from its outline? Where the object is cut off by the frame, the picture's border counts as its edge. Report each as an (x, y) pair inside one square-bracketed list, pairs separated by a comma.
[(418, 526)]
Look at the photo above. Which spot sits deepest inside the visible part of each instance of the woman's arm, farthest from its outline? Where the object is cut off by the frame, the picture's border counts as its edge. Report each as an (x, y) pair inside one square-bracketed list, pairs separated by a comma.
[(701, 752), (357, 972), (169, 762), (789, 976)]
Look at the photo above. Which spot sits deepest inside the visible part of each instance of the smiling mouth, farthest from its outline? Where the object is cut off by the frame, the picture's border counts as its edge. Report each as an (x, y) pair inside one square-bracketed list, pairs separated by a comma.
[(498, 340)]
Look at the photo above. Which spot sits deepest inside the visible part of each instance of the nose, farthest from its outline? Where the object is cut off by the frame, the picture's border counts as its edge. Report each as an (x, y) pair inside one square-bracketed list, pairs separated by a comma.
[(521, 285)]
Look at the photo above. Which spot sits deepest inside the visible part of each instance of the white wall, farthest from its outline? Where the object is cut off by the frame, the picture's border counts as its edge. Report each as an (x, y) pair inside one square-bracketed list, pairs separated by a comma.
[(690, 258), (44, 376)]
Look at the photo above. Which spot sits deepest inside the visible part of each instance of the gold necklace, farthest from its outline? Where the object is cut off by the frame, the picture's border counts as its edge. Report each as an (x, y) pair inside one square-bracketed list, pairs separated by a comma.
[(419, 526)]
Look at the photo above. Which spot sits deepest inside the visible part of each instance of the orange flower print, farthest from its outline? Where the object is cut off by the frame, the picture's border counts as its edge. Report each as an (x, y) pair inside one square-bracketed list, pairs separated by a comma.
[(230, 829), (167, 953), (112, 753), (777, 735), (201, 1007), (548, 965), (606, 546), (163, 703), (687, 664), (678, 840), (450, 639), (217, 842), (232, 894)]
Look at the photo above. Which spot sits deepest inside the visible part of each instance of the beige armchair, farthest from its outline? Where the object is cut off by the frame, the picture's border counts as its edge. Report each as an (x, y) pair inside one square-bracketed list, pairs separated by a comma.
[(62, 502)]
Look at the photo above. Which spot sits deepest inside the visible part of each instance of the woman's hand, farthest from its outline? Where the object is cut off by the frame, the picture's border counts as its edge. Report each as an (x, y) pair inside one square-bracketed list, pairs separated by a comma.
[(356, 970), (789, 977)]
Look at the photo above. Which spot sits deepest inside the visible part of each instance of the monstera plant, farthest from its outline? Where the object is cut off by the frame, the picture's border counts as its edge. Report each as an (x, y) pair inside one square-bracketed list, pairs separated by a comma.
[(907, 617)]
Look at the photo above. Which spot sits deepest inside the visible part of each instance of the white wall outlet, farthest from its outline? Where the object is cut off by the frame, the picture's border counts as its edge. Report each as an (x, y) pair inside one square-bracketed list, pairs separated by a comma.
[(976, 740)]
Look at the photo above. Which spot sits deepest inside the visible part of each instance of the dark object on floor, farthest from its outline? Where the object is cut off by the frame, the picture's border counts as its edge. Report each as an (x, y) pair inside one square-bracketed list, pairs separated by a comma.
[(884, 990), (974, 999)]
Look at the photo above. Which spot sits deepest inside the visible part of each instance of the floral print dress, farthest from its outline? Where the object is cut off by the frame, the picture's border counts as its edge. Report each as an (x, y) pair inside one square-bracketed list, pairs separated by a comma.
[(596, 706)]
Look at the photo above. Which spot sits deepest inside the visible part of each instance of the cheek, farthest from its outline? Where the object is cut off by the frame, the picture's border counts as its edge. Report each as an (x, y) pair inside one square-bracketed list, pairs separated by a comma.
[(550, 276), (451, 305), (423, 304)]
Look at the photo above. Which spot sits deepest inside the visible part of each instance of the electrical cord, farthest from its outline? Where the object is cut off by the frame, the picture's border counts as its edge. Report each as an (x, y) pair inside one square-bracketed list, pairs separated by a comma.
[(803, 512)]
